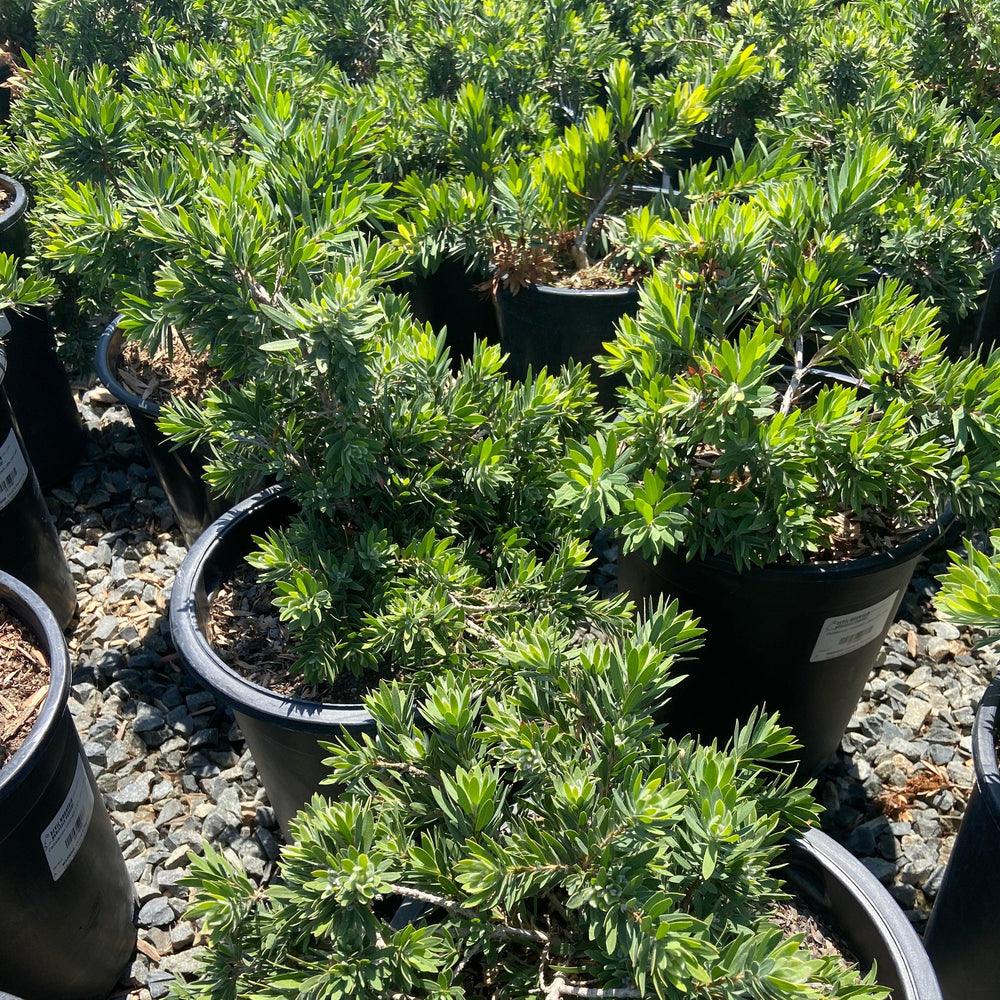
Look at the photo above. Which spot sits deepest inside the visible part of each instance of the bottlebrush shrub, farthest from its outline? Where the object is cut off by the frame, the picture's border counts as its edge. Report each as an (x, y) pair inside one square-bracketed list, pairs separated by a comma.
[(717, 450), (219, 172), (548, 840), (970, 588), (427, 517), (938, 227), (536, 217)]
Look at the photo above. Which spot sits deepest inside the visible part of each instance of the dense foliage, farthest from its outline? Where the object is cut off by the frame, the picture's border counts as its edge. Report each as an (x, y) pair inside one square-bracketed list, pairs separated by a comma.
[(731, 440), (552, 841)]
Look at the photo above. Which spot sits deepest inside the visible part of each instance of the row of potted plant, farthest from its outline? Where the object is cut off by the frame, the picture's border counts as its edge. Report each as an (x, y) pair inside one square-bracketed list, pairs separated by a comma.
[(429, 514)]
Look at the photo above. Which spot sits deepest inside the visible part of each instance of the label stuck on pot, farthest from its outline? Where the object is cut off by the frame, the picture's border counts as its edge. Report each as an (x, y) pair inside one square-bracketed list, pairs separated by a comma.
[(62, 838), (846, 633), (13, 469)]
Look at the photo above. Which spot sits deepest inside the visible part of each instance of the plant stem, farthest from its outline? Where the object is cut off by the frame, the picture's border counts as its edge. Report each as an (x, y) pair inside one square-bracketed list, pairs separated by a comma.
[(498, 930), (796, 380), (560, 988), (578, 250)]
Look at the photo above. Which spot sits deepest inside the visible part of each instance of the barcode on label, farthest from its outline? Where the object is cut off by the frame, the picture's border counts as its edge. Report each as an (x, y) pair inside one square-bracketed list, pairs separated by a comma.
[(72, 835), (847, 640), (63, 837), (13, 469)]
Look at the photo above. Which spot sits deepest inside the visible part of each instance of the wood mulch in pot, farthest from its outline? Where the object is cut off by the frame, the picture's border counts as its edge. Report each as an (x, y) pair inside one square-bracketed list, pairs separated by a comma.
[(24, 683), (247, 635), (821, 937), (161, 378)]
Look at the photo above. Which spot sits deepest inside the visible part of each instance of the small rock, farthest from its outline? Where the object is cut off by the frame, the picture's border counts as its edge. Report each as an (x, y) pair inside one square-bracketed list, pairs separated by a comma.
[(883, 870), (270, 845), (148, 719), (106, 627), (156, 913), (182, 935)]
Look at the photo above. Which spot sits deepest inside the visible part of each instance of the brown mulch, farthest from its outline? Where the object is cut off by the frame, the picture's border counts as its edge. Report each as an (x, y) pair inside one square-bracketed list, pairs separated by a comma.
[(855, 536), (162, 379), (820, 938), (247, 634), (24, 682), (6, 199)]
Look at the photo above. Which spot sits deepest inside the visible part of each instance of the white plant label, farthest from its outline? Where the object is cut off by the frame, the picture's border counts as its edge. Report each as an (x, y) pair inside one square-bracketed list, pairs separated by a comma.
[(13, 469), (846, 633), (62, 838), (4, 325)]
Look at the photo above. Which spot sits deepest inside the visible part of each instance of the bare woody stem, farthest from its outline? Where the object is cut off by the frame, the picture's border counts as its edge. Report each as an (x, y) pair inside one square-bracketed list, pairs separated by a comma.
[(578, 250), (498, 930), (792, 391), (560, 988)]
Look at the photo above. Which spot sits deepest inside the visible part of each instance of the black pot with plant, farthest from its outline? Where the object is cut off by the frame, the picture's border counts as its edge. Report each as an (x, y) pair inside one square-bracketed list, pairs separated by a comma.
[(37, 385), (67, 904), (380, 551), (562, 230), (725, 458), (547, 837)]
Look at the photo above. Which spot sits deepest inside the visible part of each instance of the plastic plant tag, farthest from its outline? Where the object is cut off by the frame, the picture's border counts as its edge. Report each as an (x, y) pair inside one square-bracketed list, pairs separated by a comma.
[(62, 838), (844, 634), (13, 469)]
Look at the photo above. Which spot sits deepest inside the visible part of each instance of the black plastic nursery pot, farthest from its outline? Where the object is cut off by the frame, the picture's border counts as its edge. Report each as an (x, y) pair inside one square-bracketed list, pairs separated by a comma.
[(282, 733), (29, 542), (836, 885), (545, 327), (67, 904), (37, 384), (963, 934), (178, 468), (448, 300), (800, 640)]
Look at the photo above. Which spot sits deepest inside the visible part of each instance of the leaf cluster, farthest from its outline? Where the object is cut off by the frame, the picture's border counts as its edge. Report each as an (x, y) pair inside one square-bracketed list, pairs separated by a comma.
[(427, 517), (732, 440), (578, 185), (540, 835)]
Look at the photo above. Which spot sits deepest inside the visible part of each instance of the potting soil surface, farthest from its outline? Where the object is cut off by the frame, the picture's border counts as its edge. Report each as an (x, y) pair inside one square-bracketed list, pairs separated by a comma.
[(24, 683)]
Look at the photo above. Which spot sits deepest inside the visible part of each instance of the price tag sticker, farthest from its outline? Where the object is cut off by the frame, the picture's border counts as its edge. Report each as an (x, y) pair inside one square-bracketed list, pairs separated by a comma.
[(62, 838), (846, 633), (13, 469)]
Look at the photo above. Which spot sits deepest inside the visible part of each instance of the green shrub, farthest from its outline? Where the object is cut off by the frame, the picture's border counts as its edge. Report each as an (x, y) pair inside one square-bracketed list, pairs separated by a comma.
[(553, 842)]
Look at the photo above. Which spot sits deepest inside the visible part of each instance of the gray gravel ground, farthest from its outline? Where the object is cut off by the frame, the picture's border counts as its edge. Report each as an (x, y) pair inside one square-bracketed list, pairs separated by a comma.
[(175, 773)]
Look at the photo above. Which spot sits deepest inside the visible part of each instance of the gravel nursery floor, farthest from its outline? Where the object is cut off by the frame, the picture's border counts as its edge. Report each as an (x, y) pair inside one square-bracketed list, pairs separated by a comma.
[(175, 773)]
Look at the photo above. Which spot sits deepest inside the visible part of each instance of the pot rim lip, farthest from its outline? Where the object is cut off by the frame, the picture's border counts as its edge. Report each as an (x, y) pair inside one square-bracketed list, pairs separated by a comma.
[(918, 981), (984, 752), (110, 380), (17, 209), (197, 653), (909, 549), (33, 612)]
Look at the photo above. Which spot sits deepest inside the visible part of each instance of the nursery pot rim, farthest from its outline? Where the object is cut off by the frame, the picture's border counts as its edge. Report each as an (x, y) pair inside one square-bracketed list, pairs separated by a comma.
[(196, 651), (27, 605), (984, 752), (110, 378), (910, 962), (818, 570), (623, 291), (14, 211)]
